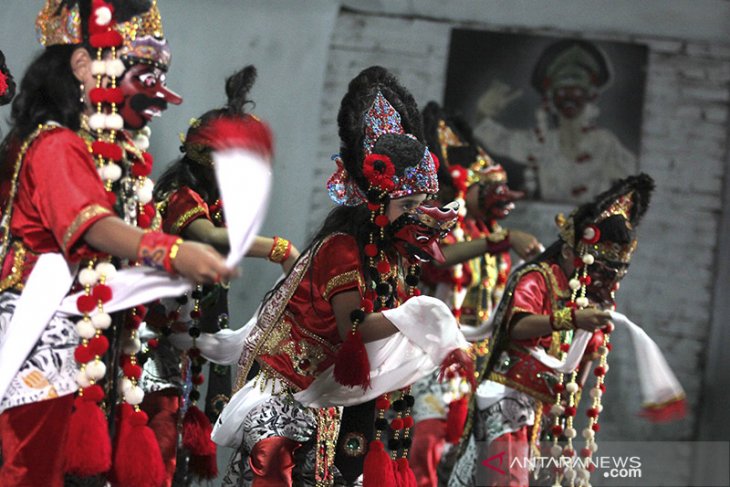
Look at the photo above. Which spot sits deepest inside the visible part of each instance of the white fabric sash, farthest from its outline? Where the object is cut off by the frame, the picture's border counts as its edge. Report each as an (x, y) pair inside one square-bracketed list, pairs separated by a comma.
[(244, 180), (428, 332), (47, 284)]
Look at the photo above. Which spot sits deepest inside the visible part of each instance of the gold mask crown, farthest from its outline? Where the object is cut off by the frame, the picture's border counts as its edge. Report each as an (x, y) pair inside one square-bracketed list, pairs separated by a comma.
[(57, 24)]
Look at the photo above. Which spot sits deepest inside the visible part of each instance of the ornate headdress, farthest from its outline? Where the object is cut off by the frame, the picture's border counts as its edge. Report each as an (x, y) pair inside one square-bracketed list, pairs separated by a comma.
[(137, 28), (605, 228), (404, 164)]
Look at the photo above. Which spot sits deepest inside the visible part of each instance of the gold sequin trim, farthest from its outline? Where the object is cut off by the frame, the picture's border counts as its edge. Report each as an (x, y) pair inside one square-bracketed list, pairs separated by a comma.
[(86, 214), (341, 280), (13, 279), (495, 377), (185, 219)]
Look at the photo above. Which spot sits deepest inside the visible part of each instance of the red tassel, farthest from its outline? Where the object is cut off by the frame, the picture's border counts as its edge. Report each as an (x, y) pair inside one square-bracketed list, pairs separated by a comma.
[(137, 458), (196, 432), (404, 474), (673, 411), (378, 468), (203, 467), (88, 447), (456, 419), (352, 366)]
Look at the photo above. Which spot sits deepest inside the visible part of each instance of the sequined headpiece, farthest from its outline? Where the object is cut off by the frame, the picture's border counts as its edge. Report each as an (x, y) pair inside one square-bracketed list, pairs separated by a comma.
[(624, 205), (379, 120), (60, 23)]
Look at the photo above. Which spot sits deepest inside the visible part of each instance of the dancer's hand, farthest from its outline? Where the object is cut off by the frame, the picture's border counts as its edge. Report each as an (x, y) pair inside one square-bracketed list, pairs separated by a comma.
[(202, 264), (460, 362), (591, 319)]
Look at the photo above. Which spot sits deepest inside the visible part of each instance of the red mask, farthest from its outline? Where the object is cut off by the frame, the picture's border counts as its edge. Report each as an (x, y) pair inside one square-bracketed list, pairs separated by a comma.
[(416, 234), (496, 200), (145, 95)]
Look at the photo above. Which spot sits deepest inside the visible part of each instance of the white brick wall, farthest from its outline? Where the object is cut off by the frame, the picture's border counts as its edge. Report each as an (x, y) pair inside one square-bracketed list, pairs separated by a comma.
[(684, 147)]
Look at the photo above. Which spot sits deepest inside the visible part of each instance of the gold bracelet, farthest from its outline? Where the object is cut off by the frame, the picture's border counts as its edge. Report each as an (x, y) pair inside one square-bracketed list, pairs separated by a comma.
[(174, 249), (279, 250), (562, 319)]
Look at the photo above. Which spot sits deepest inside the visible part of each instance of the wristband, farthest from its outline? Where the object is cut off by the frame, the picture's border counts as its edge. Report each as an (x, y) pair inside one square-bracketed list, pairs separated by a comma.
[(280, 251), (158, 250), (563, 319), (498, 242)]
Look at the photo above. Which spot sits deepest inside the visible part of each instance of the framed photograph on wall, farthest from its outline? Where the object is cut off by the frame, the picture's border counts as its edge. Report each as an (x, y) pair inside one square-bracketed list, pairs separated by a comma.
[(563, 116)]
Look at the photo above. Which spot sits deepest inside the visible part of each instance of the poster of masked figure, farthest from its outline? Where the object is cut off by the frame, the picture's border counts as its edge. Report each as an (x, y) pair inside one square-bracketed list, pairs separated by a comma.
[(563, 116)]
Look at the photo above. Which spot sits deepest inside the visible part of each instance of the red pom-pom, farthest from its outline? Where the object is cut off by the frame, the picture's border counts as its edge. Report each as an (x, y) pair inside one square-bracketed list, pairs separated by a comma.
[(102, 292), (148, 159), (383, 267), (382, 221), (83, 354), (85, 303), (408, 422), (141, 170), (586, 452), (378, 468), (371, 250), (602, 387), (111, 38), (592, 412), (373, 206), (137, 457), (195, 314), (352, 366), (140, 310), (134, 322), (153, 343), (198, 379), (436, 162), (396, 424), (568, 452), (557, 430), (596, 427), (143, 221), (114, 95), (564, 347), (599, 371), (88, 450), (382, 403), (149, 210), (570, 411), (99, 345), (559, 388), (133, 371), (585, 280), (456, 419), (93, 393), (367, 305), (196, 432)]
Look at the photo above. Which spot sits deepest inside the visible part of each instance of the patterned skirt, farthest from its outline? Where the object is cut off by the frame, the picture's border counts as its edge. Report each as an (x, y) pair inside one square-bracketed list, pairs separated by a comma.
[(50, 370)]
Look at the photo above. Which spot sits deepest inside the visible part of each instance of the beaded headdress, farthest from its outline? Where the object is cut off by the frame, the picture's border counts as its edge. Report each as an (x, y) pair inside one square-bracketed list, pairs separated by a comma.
[(381, 119)]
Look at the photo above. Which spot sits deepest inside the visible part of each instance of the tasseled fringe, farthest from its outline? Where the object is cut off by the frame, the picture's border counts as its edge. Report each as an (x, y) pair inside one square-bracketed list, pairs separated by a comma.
[(378, 468), (88, 449), (196, 433), (456, 419), (203, 467), (137, 458), (404, 475), (352, 366)]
